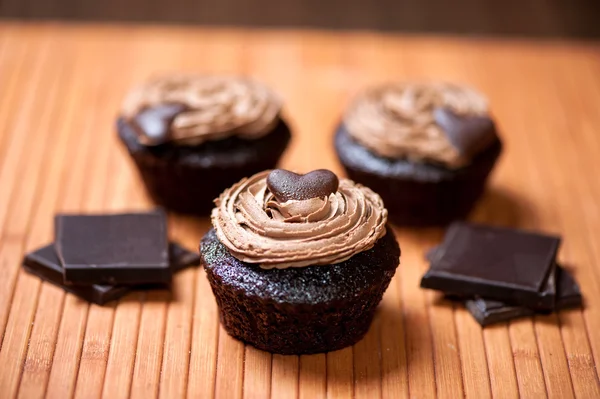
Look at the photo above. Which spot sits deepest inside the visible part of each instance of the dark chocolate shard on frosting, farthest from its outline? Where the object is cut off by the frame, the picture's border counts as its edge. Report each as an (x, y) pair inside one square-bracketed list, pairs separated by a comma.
[(286, 185), (153, 124), (468, 134)]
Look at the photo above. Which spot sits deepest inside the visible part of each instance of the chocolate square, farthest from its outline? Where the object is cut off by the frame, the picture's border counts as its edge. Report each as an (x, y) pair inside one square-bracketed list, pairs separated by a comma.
[(507, 265), (550, 285), (568, 294), (113, 249), (487, 311), (44, 263)]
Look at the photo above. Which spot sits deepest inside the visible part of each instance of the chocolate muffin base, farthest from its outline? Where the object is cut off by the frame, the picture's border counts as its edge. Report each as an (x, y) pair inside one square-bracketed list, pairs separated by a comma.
[(299, 310), (417, 194), (187, 179)]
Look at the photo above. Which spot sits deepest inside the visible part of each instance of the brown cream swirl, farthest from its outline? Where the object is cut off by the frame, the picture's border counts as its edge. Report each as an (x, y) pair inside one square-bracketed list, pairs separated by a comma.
[(256, 228), (397, 120), (215, 107)]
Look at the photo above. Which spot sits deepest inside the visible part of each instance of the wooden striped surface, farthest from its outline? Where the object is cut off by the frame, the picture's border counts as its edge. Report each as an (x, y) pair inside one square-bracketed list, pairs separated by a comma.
[(60, 87)]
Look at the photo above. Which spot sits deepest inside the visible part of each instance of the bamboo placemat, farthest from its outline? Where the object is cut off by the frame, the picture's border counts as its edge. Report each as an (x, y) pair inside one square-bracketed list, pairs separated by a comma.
[(60, 88)]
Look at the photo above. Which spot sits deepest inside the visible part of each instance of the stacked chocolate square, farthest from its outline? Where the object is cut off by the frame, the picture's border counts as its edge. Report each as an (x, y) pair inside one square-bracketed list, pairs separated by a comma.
[(500, 273), (103, 257)]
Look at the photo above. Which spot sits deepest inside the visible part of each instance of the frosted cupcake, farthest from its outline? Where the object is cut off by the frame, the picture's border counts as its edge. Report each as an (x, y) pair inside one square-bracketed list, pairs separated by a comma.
[(426, 148), (298, 264), (193, 136)]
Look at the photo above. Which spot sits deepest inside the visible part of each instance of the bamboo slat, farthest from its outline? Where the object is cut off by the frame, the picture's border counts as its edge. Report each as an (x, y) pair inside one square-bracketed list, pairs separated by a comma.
[(61, 86)]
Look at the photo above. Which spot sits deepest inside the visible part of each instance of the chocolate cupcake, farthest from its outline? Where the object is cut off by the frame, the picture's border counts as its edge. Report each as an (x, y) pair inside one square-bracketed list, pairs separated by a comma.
[(298, 264), (427, 149), (193, 136)]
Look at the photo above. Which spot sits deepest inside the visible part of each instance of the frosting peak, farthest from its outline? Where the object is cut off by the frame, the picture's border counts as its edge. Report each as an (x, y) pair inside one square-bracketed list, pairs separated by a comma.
[(210, 108), (257, 228), (401, 121), (310, 210)]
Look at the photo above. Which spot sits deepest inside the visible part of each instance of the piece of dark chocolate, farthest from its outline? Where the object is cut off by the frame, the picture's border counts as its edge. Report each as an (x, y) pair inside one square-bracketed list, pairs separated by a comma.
[(286, 185), (181, 258), (468, 134), (488, 311), (113, 249), (508, 265), (551, 283), (568, 294), (154, 123), (45, 264)]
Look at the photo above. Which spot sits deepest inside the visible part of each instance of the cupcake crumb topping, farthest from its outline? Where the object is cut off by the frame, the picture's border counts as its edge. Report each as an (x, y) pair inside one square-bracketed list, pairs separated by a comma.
[(258, 228), (208, 108), (403, 121)]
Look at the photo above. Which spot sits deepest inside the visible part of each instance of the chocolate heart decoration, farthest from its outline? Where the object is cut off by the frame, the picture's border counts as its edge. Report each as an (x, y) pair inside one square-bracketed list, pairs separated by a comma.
[(286, 185), (154, 123), (468, 134)]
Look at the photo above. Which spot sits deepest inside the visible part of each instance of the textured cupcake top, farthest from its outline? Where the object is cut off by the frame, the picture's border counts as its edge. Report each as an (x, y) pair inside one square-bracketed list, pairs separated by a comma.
[(423, 122), (191, 109), (268, 220)]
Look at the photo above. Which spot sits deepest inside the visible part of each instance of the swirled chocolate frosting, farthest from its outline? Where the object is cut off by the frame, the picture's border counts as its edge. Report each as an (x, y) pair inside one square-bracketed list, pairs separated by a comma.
[(429, 122), (190, 109), (258, 228)]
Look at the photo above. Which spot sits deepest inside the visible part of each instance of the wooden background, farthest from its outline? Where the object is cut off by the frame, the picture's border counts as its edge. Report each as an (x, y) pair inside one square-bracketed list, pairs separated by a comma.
[(60, 87)]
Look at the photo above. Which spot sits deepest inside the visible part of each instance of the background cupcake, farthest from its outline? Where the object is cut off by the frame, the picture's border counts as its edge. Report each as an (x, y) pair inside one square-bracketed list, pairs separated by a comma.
[(193, 136), (426, 148), (298, 264)]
